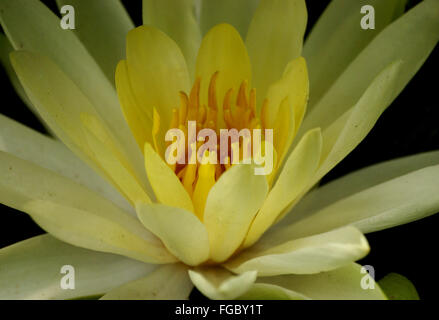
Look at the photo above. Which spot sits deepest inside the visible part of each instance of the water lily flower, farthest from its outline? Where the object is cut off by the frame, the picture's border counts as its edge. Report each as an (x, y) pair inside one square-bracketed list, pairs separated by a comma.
[(134, 227)]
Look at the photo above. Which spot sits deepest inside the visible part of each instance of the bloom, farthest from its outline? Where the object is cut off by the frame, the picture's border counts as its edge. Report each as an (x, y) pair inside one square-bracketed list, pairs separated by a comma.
[(164, 229)]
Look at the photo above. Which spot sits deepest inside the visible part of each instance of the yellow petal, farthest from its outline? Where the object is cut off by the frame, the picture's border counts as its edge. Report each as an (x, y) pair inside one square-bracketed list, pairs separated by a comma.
[(177, 19), (205, 182), (223, 50), (169, 282), (181, 231), (157, 72), (274, 38), (114, 164), (294, 88), (230, 208), (75, 214), (293, 180), (220, 284), (322, 252), (167, 187), (139, 119)]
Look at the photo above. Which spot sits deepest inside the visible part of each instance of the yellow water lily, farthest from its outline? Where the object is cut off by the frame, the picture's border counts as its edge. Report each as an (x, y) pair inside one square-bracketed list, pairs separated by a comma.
[(135, 227)]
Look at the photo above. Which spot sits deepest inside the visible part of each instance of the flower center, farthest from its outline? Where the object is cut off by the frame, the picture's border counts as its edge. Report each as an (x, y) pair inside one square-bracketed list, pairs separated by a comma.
[(240, 120)]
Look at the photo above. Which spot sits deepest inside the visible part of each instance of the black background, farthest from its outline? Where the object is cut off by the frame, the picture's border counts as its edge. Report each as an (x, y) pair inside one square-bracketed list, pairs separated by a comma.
[(408, 126)]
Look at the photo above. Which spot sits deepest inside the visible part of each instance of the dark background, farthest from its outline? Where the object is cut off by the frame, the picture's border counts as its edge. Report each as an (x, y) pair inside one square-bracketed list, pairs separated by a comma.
[(408, 126)]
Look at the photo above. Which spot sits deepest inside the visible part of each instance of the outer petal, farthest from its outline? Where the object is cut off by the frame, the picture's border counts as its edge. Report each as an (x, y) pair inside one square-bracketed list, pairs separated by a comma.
[(180, 230), (170, 282), (157, 71), (399, 41), (220, 284), (102, 26), (237, 13), (231, 205), (358, 181), (31, 26), (60, 103), (115, 165), (5, 49), (351, 128), (177, 19), (294, 179), (323, 252), (266, 291), (337, 39), (166, 185), (51, 154), (75, 214), (340, 284), (398, 201), (222, 50), (31, 269), (274, 38)]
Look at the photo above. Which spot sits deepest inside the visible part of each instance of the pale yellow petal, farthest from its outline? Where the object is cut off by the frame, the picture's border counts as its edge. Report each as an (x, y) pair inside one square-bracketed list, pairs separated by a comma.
[(31, 26), (217, 283), (352, 127), (401, 200), (5, 49), (51, 154), (170, 282), (115, 165), (336, 39), (102, 26), (60, 104), (322, 252), (340, 284), (401, 40), (177, 19), (293, 180), (167, 187), (31, 270), (75, 214), (181, 231), (237, 13), (231, 206), (274, 38), (267, 291), (358, 181)]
